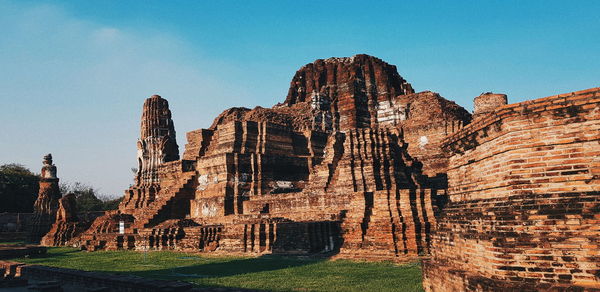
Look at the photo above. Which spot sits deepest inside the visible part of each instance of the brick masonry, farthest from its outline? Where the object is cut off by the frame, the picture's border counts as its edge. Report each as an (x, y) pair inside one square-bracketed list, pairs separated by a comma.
[(524, 211), (349, 165), (46, 204)]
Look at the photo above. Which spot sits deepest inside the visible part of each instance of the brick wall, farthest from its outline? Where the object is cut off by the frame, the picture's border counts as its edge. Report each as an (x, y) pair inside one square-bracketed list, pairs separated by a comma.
[(524, 211)]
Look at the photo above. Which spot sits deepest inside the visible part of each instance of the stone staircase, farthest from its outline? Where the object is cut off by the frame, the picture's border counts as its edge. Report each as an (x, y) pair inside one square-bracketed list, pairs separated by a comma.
[(102, 224), (156, 210), (104, 233)]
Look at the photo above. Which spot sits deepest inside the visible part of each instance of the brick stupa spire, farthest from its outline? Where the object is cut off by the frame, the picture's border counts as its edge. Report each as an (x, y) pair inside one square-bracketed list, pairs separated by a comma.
[(46, 204), (157, 143)]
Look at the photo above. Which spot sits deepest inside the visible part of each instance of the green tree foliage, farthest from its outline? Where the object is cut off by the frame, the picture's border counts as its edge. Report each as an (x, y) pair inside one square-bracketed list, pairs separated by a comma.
[(18, 188), (111, 204), (88, 199)]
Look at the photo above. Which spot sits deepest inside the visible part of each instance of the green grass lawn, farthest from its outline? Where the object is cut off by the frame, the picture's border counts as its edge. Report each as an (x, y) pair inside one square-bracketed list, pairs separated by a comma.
[(274, 273)]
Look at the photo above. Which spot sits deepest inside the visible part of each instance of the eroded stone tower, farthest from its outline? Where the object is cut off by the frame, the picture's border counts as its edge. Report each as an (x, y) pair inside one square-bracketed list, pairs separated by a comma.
[(46, 204), (350, 89), (157, 143)]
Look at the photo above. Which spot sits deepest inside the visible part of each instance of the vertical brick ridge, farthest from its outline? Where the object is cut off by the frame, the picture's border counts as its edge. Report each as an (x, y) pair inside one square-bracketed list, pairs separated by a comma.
[(157, 143), (355, 85), (388, 216)]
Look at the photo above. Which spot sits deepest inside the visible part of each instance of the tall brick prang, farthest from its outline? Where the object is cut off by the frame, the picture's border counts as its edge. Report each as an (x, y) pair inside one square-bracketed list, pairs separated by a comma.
[(157, 143)]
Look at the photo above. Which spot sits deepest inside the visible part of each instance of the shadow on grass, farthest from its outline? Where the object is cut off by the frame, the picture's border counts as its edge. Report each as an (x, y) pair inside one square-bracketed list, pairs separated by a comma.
[(41, 258), (288, 273), (200, 271), (231, 268), (55, 254), (267, 272)]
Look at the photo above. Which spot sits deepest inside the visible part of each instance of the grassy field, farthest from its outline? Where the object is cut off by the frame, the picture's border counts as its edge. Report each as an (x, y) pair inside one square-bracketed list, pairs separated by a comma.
[(273, 273)]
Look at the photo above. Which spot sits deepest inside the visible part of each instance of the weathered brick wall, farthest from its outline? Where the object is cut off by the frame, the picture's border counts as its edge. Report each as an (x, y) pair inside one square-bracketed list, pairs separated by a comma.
[(524, 211), (369, 183), (430, 119), (250, 159), (487, 103)]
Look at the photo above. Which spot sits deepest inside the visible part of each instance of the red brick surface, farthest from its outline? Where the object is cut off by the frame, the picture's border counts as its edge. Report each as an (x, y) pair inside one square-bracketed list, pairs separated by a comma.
[(524, 207)]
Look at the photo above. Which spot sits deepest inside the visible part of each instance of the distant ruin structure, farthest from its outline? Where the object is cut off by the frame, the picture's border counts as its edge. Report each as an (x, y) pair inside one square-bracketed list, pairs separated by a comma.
[(488, 102), (355, 164), (46, 204), (66, 225)]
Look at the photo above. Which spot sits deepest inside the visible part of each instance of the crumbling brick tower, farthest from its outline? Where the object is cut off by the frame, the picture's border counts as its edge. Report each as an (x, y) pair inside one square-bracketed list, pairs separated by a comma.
[(46, 204), (156, 145), (67, 225)]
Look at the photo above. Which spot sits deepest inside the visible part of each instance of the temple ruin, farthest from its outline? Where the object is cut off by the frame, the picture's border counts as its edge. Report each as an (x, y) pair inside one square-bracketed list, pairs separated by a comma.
[(349, 164), (355, 164), (46, 204)]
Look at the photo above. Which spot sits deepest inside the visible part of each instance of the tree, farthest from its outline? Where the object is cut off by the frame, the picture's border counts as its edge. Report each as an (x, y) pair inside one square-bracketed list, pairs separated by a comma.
[(18, 188), (87, 197), (111, 204)]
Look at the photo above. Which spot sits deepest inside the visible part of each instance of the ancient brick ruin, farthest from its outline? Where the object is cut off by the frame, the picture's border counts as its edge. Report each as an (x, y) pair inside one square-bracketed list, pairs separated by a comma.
[(46, 204), (351, 165), (524, 210), (355, 164)]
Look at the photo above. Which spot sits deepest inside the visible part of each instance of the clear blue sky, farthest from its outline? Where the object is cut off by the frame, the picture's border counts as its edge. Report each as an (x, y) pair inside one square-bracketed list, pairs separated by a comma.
[(75, 74)]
